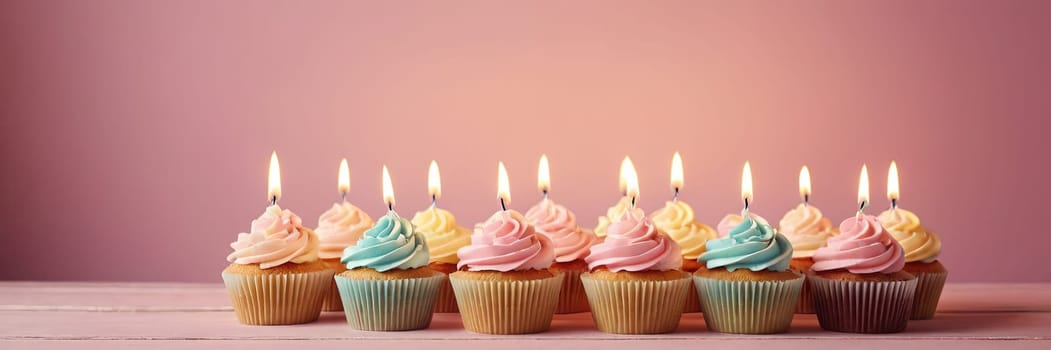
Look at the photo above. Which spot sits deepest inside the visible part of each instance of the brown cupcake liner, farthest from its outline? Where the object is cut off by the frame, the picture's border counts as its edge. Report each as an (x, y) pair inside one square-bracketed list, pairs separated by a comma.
[(445, 301), (862, 306), (693, 302), (929, 287), (506, 306), (748, 307), (572, 298), (634, 306), (389, 305), (806, 299), (277, 299)]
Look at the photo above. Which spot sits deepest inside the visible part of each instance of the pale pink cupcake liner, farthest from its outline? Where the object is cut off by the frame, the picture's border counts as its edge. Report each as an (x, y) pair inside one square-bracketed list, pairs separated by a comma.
[(506, 306), (572, 298)]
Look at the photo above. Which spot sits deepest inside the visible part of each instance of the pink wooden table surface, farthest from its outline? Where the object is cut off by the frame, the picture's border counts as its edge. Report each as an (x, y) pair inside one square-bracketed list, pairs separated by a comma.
[(163, 315)]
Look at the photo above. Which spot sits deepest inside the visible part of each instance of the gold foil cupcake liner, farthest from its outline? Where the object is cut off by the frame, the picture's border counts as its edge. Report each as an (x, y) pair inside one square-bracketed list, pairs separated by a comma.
[(277, 299), (862, 306), (445, 302), (636, 307), (748, 307), (929, 287), (506, 306), (572, 298), (389, 305)]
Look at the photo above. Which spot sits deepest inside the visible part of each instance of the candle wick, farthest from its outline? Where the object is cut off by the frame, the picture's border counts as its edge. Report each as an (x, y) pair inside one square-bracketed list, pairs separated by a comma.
[(434, 201), (390, 206), (893, 203), (746, 204), (343, 195), (273, 200), (806, 200), (545, 192), (675, 197), (503, 205), (633, 201)]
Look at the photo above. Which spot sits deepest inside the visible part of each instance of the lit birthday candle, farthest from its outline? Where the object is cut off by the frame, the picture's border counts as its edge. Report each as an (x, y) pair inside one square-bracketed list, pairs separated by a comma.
[(622, 206), (732, 220), (677, 220), (444, 237), (338, 228), (804, 225)]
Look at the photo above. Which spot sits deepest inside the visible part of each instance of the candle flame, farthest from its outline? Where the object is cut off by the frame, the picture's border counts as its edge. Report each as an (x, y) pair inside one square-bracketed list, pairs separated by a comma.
[(624, 166), (434, 181), (631, 178), (746, 183), (863, 187), (273, 180), (804, 182), (388, 188), (892, 182), (344, 177), (676, 172), (503, 186), (543, 175)]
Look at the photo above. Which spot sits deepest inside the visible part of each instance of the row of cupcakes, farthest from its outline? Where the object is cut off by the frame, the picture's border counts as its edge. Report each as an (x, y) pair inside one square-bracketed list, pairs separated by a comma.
[(278, 245)]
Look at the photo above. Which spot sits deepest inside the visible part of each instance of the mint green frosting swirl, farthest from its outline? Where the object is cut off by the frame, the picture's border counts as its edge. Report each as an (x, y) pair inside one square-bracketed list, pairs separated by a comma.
[(392, 244), (752, 245)]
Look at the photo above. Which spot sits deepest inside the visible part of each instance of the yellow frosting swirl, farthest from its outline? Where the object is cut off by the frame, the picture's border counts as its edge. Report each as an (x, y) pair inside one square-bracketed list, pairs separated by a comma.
[(444, 236), (613, 214), (919, 243), (677, 221)]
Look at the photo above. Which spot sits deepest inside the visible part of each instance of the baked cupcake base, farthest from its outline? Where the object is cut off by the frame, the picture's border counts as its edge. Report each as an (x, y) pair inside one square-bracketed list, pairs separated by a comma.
[(445, 302), (930, 280), (394, 300), (645, 302), (870, 303), (572, 297), (515, 302), (748, 302), (281, 295), (806, 300)]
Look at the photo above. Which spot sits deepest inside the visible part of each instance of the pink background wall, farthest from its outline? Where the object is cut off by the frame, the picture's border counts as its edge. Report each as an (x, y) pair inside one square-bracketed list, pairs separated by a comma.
[(135, 134)]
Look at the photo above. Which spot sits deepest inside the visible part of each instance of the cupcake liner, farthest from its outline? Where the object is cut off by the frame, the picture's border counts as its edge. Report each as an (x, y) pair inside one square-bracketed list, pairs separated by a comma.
[(862, 306), (332, 301), (445, 302), (636, 307), (572, 298), (806, 299), (506, 306), (389, 305), (693, 302), (277, 299), (748, 307), (928, 290)]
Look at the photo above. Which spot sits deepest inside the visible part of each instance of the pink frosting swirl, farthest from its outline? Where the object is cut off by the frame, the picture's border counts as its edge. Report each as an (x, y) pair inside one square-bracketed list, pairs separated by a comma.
[(506, 242), (634, 244), (862, 246), (340, 227), (560, 225), (276, 237)]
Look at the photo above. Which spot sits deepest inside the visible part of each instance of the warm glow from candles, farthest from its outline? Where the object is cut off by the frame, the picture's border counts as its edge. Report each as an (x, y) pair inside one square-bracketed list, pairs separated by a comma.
[(273, 181), (624, 166), (746, 184), (388, 189), (676, 172), (344, 177), (543, 175), (434, 181), (892, 182), (503, 186), (631, 179), (804, 182), (863, 187)]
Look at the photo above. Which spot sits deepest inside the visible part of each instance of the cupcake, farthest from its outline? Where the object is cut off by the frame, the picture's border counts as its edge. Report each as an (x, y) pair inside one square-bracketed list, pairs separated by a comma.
[(635, 285), (677, 221), (444, 237), (387, 285), (922, 248), (275, 276), (613, 213), (857, 280), (746, 285), (338, 228), (571, 244), (504, 284), (808, 230)]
